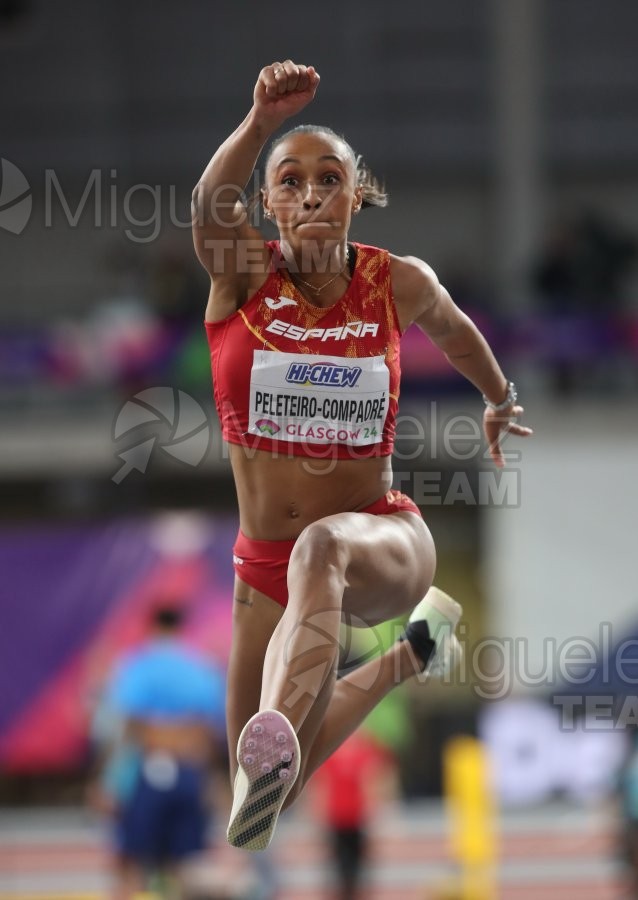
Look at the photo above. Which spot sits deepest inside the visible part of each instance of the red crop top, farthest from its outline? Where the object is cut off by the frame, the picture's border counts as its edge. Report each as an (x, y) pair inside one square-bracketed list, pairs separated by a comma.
[(290, 376)]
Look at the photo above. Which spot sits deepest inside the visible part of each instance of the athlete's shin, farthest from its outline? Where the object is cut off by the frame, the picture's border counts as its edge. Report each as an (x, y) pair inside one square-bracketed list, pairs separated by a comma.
[(303, 652)]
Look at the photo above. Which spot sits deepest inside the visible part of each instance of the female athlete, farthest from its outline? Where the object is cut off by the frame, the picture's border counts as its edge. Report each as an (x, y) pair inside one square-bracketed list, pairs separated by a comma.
[(304, 335)]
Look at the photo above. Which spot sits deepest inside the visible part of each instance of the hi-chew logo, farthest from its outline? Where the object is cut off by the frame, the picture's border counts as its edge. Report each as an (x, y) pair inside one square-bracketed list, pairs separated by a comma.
[(323, 374)]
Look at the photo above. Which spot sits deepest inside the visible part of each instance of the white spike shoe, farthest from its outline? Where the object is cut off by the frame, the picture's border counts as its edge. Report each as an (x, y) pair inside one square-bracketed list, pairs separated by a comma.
[(433, 621), (268, 757)]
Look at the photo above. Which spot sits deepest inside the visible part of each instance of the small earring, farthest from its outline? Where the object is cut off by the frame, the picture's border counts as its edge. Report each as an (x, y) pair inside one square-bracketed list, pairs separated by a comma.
[(267, 214)]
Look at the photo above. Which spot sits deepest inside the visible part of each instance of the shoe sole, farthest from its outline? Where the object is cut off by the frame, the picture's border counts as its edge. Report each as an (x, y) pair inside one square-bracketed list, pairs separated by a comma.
[(268, 758)]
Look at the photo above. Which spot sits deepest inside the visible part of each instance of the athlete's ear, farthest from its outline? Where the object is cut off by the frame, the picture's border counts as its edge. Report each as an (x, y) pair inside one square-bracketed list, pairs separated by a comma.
[(357, 200), (266, 203)]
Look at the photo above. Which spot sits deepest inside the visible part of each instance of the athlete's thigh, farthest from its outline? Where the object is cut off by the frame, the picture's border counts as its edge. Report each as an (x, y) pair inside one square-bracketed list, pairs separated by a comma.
[(255, 617), (391, 563)]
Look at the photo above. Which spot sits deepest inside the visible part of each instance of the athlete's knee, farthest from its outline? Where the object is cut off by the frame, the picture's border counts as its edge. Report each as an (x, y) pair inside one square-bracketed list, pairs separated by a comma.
[(320, 547)]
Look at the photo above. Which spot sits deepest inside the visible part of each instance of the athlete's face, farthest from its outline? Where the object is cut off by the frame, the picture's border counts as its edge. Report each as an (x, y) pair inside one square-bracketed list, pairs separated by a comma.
[(310, 188)]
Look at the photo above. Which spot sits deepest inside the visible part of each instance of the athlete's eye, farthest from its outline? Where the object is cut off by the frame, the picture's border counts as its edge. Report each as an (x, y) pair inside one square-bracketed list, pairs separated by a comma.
[(289, 181), (331, 178)]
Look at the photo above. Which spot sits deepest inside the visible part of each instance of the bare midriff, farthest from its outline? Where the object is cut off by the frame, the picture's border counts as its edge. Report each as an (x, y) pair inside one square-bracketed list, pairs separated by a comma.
[(190, 741), (279, 496)]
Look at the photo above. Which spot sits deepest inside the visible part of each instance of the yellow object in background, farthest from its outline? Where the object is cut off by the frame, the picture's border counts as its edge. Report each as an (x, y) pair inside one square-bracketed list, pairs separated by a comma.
[(472, 814)]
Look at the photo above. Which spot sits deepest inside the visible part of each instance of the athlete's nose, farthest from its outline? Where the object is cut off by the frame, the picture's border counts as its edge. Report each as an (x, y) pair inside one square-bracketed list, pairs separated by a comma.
[(312, 197)]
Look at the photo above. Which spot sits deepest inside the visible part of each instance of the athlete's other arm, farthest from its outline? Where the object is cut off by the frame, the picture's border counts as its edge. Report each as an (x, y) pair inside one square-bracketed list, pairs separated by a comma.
[(220, 219), (420, 298)]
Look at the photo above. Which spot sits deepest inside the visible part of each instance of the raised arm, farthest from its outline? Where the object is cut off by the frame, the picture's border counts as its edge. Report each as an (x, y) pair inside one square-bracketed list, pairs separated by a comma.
[(420, 298), (219, 217)]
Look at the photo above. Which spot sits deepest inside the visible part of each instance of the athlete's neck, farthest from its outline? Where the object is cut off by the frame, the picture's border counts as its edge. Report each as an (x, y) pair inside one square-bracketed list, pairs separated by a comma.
[(320, 272)]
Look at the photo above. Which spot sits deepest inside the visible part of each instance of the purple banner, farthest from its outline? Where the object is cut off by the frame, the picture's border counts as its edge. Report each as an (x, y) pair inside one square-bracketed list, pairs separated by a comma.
[(73, 598)]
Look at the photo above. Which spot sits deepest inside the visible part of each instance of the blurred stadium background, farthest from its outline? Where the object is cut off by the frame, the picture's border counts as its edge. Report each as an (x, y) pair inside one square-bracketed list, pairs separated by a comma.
[(507, 135)]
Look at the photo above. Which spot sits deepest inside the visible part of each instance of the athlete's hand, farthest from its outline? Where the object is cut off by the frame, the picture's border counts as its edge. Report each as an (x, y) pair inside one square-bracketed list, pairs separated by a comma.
[(496, 425), (282, 90)]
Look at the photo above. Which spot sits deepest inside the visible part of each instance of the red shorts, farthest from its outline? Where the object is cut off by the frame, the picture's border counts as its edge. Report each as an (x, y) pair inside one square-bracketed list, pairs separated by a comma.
[(264, 564)]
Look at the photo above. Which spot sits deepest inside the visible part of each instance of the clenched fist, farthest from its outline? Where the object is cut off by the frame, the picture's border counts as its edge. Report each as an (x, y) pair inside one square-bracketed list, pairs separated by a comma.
[(283, 89)]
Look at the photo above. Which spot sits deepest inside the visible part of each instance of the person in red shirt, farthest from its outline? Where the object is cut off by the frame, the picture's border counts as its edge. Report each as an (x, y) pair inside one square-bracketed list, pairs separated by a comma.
[(304, 335), (348, 785)]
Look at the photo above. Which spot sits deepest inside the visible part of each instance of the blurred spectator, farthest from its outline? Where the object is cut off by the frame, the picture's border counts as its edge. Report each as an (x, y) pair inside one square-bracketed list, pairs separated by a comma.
[(583, 266), (349, 785), (581, 280), (629, 800), (177, 292), (163, 715), (120, 340)]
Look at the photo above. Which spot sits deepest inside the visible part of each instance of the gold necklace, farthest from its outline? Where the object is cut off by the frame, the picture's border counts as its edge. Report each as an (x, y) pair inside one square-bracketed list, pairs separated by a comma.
[(318, 290)]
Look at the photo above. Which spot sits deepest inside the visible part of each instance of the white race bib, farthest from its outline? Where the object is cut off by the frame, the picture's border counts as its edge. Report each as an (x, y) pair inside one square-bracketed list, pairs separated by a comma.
[(318, 399)]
